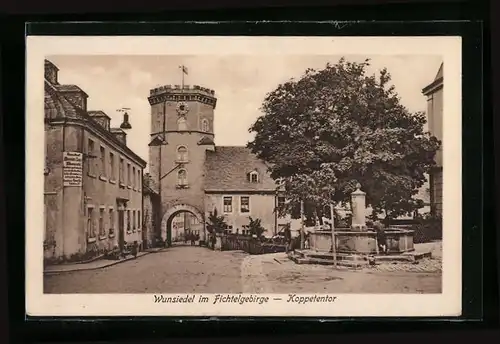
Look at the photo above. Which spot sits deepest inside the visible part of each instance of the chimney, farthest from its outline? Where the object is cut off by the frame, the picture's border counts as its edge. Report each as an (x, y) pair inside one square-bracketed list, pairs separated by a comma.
[(51, 72), (120, 135)]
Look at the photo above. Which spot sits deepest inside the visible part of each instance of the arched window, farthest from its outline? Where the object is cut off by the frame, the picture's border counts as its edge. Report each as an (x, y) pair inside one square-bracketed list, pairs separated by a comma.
[(181, 124), (204, 126), (182, 153), (182, 177)]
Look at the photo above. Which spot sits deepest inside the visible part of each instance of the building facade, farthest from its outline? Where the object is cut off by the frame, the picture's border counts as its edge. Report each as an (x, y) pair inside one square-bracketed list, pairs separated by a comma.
[(93, 181), (434, 94), (191, 174)]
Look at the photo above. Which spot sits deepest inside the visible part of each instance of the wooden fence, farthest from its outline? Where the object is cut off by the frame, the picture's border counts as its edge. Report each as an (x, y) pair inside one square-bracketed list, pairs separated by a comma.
[(232, 242)]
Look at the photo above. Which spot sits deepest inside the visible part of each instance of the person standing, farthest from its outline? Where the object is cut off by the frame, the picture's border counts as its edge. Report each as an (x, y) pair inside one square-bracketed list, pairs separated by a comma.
[(381, 237)]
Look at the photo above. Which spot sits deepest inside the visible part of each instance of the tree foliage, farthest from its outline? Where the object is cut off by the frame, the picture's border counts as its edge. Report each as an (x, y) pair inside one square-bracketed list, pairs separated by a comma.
[(216, 223), (255, 227), (338, 126)]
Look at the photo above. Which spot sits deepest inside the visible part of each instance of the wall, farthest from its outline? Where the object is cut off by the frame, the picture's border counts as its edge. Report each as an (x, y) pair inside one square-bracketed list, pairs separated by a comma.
[(261, 207), (53, 193), (151, 208), (435, 119), (193, 194), (102, 190)]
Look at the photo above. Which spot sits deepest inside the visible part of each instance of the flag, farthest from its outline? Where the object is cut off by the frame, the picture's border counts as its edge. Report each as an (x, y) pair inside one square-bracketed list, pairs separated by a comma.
[(184, 69)]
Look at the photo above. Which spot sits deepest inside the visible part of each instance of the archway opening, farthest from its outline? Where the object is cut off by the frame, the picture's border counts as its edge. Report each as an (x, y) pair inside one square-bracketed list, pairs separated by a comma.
[(184, 228), (183, 225)]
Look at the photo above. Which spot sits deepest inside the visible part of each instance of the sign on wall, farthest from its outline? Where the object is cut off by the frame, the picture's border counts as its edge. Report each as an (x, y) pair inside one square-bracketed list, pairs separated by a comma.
[(72, 168)]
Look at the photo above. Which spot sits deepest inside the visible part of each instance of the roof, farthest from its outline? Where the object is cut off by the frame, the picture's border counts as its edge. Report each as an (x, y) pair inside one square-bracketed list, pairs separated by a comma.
[(436, 84), (98, 113), (49, 63), (440, 72), (117, 130), (227, 168), (64, 108), (206, 141), (70, 88)]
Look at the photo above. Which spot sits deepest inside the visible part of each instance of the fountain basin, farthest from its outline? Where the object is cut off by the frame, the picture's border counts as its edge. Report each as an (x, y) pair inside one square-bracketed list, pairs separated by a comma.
[(347, 241)]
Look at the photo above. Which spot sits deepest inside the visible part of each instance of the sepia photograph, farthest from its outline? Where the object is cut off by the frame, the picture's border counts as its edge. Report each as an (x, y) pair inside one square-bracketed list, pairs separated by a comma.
[(244, 176)]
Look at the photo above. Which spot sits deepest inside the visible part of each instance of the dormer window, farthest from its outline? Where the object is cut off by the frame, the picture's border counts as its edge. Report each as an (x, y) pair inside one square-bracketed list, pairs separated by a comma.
[(253, 177), (182, 154)]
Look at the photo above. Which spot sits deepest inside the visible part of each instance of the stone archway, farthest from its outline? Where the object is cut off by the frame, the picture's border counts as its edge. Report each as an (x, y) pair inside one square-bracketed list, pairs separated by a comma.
[(166, 222)]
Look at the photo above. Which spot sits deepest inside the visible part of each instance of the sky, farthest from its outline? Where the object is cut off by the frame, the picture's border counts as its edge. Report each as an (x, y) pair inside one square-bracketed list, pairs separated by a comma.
[(240, 84)]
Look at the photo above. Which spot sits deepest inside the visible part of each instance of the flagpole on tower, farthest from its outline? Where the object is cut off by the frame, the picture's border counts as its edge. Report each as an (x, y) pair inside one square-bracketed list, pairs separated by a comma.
[(184, 70)]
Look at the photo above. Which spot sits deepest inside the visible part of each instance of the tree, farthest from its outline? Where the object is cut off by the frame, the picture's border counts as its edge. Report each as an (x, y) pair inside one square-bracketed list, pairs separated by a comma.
[(216, 223), (336, 127), (255, 227)]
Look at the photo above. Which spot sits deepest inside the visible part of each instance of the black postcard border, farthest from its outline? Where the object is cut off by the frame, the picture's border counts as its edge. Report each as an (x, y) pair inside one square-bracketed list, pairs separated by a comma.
[(475, 140)]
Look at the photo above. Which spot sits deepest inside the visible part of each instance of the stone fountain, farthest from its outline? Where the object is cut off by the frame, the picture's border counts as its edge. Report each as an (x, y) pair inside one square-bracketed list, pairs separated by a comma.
[(358, 241)]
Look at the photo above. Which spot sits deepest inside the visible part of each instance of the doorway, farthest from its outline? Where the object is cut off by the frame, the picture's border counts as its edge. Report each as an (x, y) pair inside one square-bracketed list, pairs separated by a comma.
[(121, 233)]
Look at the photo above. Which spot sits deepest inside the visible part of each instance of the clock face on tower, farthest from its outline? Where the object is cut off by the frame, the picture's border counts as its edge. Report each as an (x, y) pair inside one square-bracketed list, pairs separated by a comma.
[(182, 108)]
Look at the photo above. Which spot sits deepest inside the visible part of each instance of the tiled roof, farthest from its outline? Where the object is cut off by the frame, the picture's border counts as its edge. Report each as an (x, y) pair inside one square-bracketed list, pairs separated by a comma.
[(205, 140), (69, 88), (227, 168), (157, 141), (55, 100), (61, 103), (98, 113)]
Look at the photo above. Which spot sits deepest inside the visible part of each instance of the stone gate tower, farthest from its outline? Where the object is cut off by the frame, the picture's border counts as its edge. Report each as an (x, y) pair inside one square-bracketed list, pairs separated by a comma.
[(182, 122)]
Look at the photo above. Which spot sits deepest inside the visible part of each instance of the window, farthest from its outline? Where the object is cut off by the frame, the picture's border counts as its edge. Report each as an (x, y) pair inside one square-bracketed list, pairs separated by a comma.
[(182, 153), (103, 162), (254, 177), (133, 176), (128, 221), (122, 166), (111, 221), (133, 220), (112, 172), (138, 179), (102, 230), (139, 220), (228, 204), (90, 223), (181, 124), (204, 125), (245, 204), (128, 174), (90, 152), (182, 177)]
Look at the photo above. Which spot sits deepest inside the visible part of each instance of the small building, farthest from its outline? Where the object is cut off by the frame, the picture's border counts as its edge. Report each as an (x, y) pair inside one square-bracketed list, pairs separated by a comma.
[(434, 94), (93, 181), (238, 185)]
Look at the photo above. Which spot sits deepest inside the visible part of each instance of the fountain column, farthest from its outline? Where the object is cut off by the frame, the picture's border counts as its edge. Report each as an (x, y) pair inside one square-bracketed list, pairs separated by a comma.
[(358, 202)]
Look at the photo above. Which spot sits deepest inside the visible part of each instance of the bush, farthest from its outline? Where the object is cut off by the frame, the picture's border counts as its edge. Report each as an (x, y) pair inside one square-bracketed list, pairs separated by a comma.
[(427, 228)]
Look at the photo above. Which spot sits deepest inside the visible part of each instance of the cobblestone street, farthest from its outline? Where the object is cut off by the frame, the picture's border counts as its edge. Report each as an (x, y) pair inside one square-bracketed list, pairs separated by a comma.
[(176, 270), (199, 270)]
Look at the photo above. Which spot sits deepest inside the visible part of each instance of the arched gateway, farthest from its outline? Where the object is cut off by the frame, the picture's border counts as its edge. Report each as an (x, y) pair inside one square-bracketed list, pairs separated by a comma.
[(166, 223)]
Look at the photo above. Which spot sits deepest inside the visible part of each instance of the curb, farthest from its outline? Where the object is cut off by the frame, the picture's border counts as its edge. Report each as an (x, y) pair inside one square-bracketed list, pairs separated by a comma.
[(54, 272)]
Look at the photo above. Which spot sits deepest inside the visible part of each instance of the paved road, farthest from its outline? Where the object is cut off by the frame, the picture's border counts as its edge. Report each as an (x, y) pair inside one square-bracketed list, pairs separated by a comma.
[(176, 270), (199, 270)]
